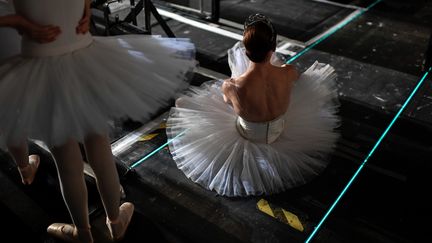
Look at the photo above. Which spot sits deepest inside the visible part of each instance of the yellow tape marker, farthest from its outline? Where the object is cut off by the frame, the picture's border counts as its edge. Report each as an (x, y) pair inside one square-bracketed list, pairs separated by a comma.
[(280, 214), (163, 125), (147, 137)]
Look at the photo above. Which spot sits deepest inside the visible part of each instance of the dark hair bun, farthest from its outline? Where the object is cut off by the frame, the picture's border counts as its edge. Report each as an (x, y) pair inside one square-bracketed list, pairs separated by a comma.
[(259, 39)]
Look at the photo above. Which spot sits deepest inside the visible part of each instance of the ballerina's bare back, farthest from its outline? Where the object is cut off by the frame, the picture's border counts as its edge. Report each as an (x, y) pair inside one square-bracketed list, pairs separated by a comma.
[(262, 93)]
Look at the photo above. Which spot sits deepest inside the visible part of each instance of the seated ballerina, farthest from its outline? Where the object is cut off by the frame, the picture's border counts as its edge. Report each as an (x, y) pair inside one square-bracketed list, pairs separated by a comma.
[(273, 134)]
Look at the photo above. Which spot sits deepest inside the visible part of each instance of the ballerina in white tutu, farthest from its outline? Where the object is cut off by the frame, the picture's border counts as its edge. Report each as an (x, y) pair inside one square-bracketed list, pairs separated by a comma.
[(264, 130), (66, 85)]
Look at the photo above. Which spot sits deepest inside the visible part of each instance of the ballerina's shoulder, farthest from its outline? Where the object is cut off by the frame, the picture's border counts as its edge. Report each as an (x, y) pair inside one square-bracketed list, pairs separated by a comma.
[(291, 71)]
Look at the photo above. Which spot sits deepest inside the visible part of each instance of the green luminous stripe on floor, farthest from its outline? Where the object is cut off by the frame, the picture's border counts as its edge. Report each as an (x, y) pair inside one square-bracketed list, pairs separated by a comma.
[(332, 32), (311, 236), (156, 150)]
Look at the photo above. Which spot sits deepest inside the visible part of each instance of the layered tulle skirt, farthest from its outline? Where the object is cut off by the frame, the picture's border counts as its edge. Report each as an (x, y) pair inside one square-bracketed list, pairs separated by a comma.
[(207, 147), (69, 96)]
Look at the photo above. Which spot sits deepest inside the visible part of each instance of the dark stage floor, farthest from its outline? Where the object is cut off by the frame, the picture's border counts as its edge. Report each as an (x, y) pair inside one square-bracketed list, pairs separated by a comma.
[(377, 57)]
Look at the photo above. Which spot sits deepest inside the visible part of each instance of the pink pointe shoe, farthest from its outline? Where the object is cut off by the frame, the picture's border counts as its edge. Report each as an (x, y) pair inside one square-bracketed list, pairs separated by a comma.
[(70, 233), (28, 173), (118, 227)]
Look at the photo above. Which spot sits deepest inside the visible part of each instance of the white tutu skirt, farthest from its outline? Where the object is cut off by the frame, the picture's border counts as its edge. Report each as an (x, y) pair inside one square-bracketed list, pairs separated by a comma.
[(72, 95), (206, 146)]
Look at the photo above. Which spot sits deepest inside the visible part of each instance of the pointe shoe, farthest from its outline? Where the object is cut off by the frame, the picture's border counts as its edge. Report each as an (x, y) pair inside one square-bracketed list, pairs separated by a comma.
[(28, 173), (69, 233), (118, 227)]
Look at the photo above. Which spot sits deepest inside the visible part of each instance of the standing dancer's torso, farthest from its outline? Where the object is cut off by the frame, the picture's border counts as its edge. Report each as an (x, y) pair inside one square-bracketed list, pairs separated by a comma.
[(63, 13)]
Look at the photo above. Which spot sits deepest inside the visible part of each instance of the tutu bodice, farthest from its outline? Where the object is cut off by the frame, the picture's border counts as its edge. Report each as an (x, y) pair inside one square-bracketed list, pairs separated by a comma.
[(63, 13), (261, 132)]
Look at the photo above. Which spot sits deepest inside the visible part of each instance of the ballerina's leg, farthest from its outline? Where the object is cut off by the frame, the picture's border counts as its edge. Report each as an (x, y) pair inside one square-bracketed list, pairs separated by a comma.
[(27, 165), (100, 158), (70, 168)]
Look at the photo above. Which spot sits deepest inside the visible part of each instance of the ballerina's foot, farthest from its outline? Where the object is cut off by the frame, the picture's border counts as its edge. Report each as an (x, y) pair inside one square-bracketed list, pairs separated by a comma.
[(118, 227), (70, 233), (28, 173)]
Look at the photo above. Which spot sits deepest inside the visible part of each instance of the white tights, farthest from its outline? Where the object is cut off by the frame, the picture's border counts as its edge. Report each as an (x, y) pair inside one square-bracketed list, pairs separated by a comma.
[(70, 168)]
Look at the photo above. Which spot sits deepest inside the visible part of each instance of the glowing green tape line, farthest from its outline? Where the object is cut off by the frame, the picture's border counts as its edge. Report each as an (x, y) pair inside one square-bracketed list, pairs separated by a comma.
[(332, 32), (156, 150), (367, 157)]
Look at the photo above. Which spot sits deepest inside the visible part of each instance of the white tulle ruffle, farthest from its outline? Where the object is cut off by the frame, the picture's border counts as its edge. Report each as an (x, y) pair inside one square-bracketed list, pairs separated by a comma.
[(68, 96)]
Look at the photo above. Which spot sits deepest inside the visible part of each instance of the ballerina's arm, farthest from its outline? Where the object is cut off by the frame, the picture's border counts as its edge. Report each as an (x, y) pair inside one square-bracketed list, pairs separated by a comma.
[(226, 90), (84, 24)]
